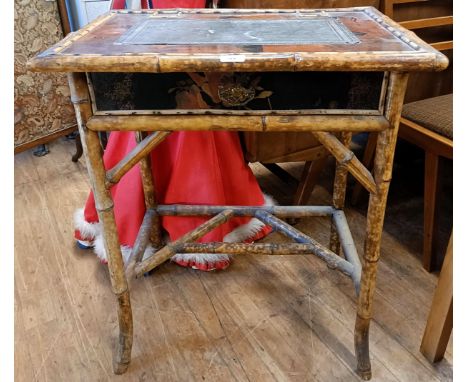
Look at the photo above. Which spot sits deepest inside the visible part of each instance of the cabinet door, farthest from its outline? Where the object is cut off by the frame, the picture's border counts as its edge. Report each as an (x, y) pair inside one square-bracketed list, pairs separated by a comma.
[(43, 109)]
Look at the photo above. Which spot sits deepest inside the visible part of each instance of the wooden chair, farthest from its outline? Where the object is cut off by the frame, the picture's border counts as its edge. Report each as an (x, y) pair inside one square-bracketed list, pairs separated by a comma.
[(272, 148), (440, 321), (427, 123)]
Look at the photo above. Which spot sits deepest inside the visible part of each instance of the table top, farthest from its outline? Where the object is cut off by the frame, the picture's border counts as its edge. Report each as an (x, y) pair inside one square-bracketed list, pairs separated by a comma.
[(184, 40)]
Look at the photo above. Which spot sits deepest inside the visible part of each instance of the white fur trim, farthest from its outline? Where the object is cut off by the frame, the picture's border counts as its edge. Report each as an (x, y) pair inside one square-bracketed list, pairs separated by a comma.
[(87, 230), (249, 230), (100, 251), (93, 232), (240, 234), (269, 201), (244, 232)]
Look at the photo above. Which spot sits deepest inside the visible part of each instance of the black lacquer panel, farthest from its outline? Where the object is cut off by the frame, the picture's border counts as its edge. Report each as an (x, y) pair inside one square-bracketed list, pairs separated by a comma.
[(238, 91)]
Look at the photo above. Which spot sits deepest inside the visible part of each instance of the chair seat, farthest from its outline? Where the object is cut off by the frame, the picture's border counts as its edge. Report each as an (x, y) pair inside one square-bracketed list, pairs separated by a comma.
[(434, 113)]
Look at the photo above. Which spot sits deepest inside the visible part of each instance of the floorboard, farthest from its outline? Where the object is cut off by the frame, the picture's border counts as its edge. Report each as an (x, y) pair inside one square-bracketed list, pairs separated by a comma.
[(263, 319)]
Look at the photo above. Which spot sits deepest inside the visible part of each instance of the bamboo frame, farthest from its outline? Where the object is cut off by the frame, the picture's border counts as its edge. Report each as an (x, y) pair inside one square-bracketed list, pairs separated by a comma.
[(321, 122), (267, 215), (170, 250), (333, 261), (279, 211), (142, 241), (350, 265), (139, 153), (148, 185), (265, 249), (339, 192), (347, 160), (346, 241)]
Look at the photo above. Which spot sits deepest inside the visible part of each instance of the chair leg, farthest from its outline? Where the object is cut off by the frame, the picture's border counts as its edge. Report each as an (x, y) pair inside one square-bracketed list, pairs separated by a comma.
[(440, 321), (79, 149), (367, 158), (431, 208), (309, 178), (285, 176)]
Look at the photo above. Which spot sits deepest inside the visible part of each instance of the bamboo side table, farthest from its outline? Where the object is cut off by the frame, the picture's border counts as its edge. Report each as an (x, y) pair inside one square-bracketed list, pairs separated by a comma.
[(332, 72)]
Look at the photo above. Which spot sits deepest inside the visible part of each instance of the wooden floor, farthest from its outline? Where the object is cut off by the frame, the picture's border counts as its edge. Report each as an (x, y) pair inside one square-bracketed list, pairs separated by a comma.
[(263, 319)]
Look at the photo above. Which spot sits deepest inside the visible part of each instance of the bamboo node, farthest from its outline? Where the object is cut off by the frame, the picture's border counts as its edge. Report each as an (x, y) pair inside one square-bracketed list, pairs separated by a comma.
[(348, 157), (364, 317), (78, 101), (371, 260), (264, 123)]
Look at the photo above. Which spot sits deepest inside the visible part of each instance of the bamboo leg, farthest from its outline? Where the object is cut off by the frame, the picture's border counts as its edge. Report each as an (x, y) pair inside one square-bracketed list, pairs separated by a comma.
[(339, 193), (150, 195), (105, 208), (383, 164), (346, 158)]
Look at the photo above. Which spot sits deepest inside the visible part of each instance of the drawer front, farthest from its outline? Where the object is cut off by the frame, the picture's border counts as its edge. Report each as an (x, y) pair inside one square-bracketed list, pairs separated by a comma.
[(239, 93)]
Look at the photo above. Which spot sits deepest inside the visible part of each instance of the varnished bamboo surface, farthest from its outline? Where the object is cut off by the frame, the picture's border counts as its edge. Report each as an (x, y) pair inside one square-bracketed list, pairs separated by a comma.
[(263, 319), (237, 123), (383, 45), (279, 211)]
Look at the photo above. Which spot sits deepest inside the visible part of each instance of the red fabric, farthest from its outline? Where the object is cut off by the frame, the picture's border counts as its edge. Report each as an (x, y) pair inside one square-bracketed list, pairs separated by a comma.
[(188, 168), (207, 267), (163, 4), (179, 3)]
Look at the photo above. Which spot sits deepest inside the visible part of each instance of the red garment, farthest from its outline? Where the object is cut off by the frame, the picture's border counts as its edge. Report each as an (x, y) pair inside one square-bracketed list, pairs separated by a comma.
[(188, 168), (162, 4), (203, 167)]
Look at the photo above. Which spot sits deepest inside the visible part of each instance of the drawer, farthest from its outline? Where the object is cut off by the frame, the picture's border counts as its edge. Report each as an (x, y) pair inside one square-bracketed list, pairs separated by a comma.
[(240, 93)]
